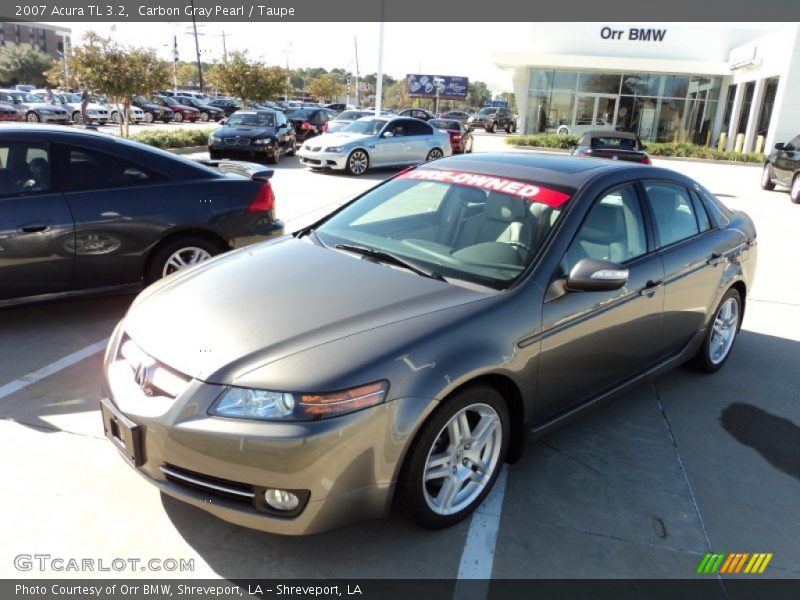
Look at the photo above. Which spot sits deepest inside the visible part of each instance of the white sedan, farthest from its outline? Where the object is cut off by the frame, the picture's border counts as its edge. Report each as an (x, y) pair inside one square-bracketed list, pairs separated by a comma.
[(375, 142)]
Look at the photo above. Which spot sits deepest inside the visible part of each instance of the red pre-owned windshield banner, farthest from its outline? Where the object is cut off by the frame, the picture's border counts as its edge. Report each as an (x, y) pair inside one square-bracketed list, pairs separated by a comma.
[(512, 187)]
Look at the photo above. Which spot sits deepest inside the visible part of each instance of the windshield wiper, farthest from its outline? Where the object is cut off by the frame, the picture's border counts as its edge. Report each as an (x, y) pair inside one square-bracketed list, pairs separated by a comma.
[(382, 255)]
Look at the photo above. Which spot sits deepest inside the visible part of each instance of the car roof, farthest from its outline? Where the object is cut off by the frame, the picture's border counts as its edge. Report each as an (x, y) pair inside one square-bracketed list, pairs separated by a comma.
[(563, 171)]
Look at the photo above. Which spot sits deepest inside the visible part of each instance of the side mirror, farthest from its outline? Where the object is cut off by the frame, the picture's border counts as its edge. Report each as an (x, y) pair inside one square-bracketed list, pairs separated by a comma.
[(387, 134), (595, 275), (223, 121), (644, 147), (780, 146)]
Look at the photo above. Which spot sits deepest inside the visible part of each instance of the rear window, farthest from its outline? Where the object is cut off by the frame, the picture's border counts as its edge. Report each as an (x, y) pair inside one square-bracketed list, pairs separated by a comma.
[(443, 124), (468, 227), (614, 142)]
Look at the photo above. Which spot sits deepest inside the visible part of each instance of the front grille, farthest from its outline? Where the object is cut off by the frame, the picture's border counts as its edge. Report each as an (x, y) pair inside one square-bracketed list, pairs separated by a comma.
[(237, 141), (153, 377), (222, 488), (312, 161)]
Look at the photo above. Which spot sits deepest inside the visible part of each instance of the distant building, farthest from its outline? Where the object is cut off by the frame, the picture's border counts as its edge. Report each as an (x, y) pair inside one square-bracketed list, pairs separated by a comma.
[(664, 81), (39, 36)]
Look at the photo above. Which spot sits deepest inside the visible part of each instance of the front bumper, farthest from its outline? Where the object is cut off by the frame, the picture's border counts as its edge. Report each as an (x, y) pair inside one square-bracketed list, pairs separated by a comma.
[(322, 160), (344, 468), (223, 149)]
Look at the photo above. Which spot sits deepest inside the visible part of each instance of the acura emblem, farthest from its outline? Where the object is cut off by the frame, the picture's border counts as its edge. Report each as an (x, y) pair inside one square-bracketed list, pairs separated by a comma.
[(143, 375)]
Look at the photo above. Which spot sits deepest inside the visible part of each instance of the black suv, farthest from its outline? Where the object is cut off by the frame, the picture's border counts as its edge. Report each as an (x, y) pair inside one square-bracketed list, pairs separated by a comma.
[(783, 168), (492, 118)]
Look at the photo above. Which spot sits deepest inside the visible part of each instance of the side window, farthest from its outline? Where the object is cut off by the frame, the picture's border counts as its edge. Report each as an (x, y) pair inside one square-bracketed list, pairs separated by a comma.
[(700, 210), (418, 128), (400, 127), (91, 170), (24, 168), (280, 118), (793, 145), (673, 212), (613, 230)]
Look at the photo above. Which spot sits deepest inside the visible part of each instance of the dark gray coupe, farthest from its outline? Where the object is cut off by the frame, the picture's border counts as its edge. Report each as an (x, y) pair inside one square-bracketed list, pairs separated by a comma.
[(397, 350)]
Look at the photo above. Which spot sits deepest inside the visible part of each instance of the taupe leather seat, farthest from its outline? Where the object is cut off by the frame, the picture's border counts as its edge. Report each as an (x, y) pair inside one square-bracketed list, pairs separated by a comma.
[(603, 235), (504, 219)]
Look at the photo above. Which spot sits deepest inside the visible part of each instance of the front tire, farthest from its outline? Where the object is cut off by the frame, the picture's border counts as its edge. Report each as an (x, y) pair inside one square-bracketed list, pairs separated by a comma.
[(493, 128), (357, 162), (32, 117), (148, 117), (77, 118), (177, 117), (204, 116), (721, 335), (794, 192), (766, 179), (456, 458), (179, 254)]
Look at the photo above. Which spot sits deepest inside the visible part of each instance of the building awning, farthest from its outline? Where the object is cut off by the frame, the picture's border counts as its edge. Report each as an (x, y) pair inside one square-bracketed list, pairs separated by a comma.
[(610, 63)]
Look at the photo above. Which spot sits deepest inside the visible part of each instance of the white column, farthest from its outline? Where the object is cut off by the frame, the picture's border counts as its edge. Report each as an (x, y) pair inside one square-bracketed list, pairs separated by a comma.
[(752, 118), (735, 113)]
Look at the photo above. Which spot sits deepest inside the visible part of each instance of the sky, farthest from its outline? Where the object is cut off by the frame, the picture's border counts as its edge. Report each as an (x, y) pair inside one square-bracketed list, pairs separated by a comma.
[(462, 49)]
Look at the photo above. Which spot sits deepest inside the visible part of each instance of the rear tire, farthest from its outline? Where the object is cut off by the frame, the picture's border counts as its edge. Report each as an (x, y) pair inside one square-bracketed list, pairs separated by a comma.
[(434, 154), (177, 254), (177, 117), (493, 128), (204, 116), (721, 335), (463, 444), (766, 179)]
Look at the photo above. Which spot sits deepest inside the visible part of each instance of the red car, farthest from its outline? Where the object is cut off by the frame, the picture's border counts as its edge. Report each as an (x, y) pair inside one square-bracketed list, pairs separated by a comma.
[(8, 112), (460, 135), (181, 111)]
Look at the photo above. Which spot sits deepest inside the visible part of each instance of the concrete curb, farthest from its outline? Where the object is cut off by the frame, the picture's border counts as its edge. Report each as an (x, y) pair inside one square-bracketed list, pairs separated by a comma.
[(541, 149)]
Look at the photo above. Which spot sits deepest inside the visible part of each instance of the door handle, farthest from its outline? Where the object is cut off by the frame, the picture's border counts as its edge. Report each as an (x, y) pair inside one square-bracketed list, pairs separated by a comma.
[(650, 287), (714, 259), (34, 227)]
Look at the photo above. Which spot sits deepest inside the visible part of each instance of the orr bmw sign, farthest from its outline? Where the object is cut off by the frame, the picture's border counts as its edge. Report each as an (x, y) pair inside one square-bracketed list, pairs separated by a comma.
[(636, 34)]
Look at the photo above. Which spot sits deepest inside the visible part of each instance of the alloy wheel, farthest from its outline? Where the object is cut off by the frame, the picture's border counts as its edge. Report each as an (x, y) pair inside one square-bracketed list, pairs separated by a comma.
[(178, 117), (434, 154), (184, 257), (358, 162), (148, 117), (795, 191), (463, 458), (726, 323), (33, 117)]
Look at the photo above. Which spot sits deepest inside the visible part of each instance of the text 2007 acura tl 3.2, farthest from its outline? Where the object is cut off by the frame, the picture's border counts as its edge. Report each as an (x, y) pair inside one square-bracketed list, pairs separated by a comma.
[(394, 352)]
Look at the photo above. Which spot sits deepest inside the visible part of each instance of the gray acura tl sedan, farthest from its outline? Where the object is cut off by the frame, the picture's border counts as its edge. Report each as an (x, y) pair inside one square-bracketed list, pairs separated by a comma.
[(395, 352)]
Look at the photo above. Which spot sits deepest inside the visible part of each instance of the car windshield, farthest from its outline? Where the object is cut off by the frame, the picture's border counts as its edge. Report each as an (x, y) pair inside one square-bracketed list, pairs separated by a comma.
[(366, 126), (252, 119), (142, 100), (623, 143), (487, 111), (471, 227), (444, 124)]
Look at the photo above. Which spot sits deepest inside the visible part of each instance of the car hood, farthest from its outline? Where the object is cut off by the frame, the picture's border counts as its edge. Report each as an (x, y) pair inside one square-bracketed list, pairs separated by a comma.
[(244, 131), (265, 302)]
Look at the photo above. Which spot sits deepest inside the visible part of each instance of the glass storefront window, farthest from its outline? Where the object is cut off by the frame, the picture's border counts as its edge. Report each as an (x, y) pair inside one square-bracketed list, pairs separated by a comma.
[(541, 79), (747, 101), (565, 80), (599, 83), (561, 107)]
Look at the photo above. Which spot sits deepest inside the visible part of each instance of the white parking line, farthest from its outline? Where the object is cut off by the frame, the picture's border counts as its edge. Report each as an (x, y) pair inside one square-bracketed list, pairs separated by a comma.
[(53, 367), (478, 556)]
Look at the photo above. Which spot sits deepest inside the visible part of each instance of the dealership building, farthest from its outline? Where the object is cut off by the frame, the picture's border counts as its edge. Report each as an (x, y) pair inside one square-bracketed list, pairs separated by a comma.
[(696, 82)]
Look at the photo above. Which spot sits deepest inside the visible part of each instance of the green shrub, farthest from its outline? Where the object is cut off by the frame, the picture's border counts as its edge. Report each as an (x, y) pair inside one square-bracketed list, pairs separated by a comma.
[(666, 149), (179, 138), (543, 140)]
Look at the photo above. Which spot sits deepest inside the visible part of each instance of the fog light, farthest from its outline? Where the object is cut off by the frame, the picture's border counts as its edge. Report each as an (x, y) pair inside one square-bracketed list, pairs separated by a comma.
[(281, 499)]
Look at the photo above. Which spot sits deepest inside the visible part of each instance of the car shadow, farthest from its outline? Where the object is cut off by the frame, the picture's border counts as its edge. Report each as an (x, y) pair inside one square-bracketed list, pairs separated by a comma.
[(775, 438)]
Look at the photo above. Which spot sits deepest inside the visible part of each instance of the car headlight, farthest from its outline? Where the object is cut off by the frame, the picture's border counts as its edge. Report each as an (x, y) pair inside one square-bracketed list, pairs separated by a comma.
[(266, 141), (266, 405), (45, 111), (334, 148), (212, 139)]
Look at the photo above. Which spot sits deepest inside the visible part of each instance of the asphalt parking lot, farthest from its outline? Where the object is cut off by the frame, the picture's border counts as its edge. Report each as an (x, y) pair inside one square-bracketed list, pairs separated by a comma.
[(642, 488)]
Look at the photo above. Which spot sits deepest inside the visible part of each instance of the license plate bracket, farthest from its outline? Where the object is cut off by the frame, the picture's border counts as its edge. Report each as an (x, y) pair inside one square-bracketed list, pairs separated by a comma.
[(123, 433)]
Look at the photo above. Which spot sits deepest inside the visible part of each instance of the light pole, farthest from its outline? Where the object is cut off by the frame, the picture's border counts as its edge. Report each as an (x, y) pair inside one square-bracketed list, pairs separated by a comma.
[(197, 48), (379, 82)]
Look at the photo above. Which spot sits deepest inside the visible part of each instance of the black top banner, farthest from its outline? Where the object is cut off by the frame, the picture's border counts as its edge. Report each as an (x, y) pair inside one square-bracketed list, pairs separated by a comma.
[(444, 11)]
